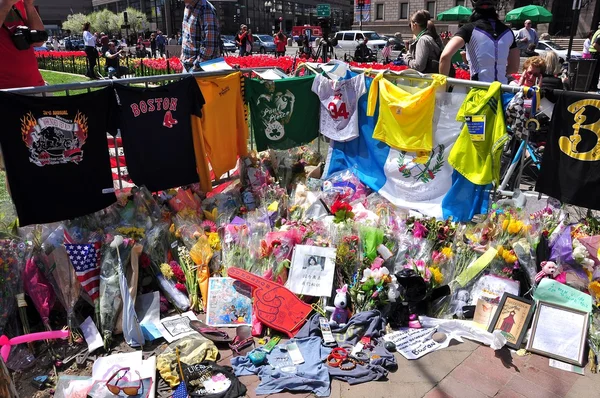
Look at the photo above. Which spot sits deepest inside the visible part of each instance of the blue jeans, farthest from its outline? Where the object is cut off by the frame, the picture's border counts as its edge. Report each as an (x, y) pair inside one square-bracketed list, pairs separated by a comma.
[(242, 50)]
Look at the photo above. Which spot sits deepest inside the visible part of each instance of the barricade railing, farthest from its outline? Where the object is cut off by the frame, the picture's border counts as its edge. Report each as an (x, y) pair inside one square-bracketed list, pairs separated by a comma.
[(116, 149)]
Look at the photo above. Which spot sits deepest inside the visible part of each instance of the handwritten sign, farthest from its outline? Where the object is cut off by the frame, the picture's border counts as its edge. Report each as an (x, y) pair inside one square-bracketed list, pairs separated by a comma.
[(555, 292), (414, 343)]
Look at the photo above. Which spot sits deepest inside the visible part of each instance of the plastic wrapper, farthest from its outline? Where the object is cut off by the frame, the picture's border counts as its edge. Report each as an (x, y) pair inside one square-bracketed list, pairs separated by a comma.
[(457, 329), (346, 185), (67, 286), (10, 277), (594, 341), (201, 254), (38, 288), (110, 290)]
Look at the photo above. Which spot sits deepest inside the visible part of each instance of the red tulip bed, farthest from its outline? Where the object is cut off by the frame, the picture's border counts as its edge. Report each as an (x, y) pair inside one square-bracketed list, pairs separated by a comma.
[(74, 62)]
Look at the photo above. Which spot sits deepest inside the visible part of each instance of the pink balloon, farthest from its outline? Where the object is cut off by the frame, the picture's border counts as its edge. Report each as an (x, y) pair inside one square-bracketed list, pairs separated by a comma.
[(7, 343)]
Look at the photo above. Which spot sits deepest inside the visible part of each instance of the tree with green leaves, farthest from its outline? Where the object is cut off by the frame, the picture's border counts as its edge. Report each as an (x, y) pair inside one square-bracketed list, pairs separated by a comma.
[(107, 21), (74, 23)]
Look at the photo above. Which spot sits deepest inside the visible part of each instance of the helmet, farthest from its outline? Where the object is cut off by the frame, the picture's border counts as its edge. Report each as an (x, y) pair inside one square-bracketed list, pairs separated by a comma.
[(484, 3)]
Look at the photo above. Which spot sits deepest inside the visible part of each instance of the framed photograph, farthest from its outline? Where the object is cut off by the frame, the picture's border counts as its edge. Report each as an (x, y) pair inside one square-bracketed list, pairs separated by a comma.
[(229, 303), (559, 332), (512, 319)]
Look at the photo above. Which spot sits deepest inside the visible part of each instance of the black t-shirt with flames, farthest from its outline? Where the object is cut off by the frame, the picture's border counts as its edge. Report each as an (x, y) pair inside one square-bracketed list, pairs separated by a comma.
[(570, 168), (56, 154), (157, 133)]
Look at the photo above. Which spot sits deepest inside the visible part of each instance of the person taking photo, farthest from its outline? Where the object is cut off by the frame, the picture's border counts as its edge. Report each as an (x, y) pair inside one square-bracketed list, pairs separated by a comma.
[(19, 67)]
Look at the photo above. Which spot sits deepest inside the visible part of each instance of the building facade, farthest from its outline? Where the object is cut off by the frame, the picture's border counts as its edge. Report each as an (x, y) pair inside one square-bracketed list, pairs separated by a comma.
[(54, 12), (262, 16), (391, 16)]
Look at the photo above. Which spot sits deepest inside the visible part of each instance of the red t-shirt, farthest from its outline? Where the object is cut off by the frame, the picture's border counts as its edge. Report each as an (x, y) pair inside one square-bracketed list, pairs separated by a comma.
[(20, 68)]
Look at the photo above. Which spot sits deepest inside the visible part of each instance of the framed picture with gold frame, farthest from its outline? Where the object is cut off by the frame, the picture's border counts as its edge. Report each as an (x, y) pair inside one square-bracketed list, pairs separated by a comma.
[(559, 332), (512, 319)]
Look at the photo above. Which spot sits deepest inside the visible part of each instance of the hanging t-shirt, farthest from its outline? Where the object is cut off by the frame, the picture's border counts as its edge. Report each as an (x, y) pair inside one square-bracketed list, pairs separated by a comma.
[(339, 104), (224, 129), (405, 118), (284, 113), (157, 133), (570, 168), (476, 154), (56, 154)]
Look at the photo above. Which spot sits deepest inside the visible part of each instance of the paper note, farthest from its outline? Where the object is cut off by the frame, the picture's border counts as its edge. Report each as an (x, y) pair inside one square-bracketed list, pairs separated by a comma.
[(91, 335), (566, 366), (147, 307), (105, 367), (414, 343), (555, 292), (559, 332), (178, 326)]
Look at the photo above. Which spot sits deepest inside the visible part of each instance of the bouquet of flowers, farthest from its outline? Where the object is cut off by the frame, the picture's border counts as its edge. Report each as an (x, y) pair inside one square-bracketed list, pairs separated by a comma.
[(157, 248), (375, 289), (347, 259)]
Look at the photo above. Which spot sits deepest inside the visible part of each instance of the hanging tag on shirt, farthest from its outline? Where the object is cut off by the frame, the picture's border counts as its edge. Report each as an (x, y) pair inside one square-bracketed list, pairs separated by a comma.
[(326, 331), (476, 126)]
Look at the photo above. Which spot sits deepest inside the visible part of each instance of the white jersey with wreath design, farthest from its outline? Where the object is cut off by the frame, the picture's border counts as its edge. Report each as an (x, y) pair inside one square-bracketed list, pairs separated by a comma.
[(339, 102)]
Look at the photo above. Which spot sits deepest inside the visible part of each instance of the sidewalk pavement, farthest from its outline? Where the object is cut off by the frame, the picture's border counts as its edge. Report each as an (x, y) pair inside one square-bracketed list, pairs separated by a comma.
[(466, 370)]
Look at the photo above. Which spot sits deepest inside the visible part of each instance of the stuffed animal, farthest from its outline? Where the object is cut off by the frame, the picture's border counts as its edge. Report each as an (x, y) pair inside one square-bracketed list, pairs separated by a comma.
[(549, 269), (339, 312)]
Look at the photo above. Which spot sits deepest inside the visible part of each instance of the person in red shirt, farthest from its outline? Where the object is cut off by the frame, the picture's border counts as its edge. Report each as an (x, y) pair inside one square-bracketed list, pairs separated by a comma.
[(280, 42), (20, 67)]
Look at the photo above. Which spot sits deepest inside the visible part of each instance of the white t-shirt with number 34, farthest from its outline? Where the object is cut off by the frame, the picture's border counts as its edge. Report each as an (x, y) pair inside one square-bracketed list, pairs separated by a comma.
[(339, 102)]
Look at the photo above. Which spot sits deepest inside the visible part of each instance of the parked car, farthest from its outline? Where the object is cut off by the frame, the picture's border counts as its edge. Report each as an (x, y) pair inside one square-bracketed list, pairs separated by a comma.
[(230, 38), (228, 45), (561, 52), (263, 44), (349, 39)]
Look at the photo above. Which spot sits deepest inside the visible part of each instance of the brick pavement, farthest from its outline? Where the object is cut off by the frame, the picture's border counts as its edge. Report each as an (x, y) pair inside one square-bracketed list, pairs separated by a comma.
[(466, 370)]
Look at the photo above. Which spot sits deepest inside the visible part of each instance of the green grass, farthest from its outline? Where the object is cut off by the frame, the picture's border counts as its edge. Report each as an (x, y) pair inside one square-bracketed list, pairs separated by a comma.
[(54, 78)]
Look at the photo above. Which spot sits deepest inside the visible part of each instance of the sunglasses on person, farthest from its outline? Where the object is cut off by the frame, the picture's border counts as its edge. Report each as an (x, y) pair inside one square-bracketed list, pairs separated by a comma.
[(129, 390)]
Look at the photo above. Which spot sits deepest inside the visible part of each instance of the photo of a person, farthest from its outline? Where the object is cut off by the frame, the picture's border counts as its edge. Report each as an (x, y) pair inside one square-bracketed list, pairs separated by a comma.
[(314, 261)]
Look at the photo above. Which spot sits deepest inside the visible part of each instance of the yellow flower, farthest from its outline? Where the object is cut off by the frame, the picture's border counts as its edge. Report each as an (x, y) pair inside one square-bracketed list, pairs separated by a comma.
[(166, 270), (594, 289), (436, 275), (172, 228), (212, 216), (514, 227), (509, 256), (447, 252), (214, 241), (505, 224), (500, 251), (589, 274)]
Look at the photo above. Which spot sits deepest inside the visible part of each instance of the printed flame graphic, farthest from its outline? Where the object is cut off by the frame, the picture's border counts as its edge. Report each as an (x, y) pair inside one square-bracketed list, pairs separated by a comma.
[(28, 122), (81, 121)]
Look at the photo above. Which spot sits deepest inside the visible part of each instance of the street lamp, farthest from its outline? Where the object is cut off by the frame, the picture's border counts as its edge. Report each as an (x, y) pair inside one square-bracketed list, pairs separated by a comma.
[(270, 10)]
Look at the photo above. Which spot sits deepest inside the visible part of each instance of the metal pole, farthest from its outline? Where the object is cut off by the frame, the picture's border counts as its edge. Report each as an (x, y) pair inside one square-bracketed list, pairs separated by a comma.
[(576, 11)]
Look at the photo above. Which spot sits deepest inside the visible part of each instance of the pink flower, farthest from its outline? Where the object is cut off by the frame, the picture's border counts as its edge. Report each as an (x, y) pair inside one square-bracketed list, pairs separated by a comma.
[(181, 287), (375, 294), (177, 271), (377, 263), (419, 230)]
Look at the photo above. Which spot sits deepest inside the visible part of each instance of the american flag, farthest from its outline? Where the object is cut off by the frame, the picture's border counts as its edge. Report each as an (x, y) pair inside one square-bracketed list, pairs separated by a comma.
[(181, 391), (86, 261)]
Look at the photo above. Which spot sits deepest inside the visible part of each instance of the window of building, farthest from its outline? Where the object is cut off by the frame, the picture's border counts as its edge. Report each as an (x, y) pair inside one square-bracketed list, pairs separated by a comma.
[(460, 3), (403, 11), (430, 6), (379, 12)]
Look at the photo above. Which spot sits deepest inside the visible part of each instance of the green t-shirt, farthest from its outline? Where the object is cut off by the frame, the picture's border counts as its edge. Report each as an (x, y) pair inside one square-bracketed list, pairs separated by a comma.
[(284, 113)]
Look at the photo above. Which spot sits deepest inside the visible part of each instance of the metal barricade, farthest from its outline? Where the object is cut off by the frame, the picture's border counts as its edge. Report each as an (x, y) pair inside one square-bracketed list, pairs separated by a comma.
[(580, 73)]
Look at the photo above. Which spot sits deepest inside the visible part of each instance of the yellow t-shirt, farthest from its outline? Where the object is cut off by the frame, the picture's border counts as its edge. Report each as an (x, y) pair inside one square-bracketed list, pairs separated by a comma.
[(405, 119), (478, 149), (222, 132)]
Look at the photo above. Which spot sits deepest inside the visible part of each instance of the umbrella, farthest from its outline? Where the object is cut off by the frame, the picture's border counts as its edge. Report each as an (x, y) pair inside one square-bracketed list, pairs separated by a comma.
[(458, 13), (536, 14)]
